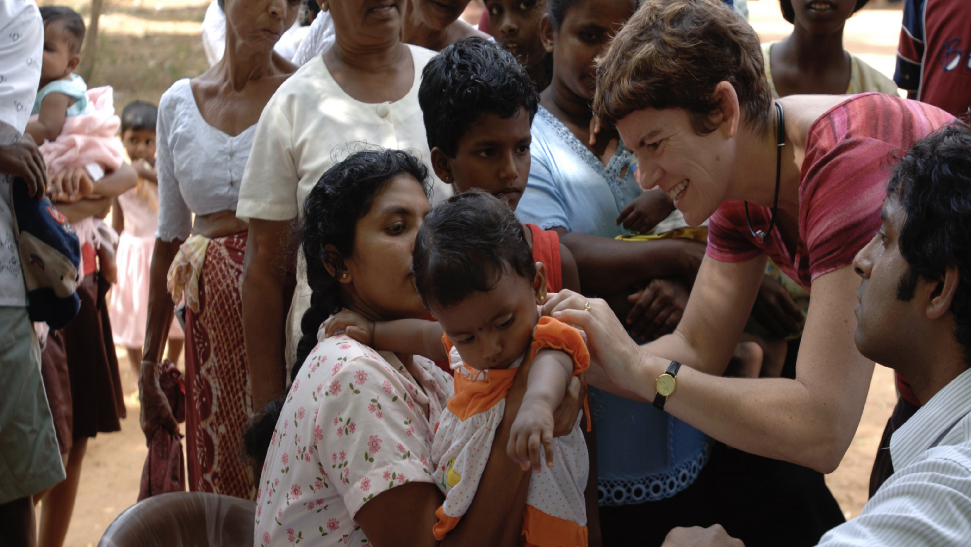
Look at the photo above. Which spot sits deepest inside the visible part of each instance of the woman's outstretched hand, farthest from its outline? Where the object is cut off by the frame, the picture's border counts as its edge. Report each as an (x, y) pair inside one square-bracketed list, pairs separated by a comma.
[(608, 342), (155, 411)]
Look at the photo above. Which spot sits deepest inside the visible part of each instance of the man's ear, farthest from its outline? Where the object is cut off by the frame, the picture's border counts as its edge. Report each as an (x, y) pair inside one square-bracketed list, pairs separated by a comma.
[(539, 283), (943, 294), (729, 112), (547, 33), (441, 165)]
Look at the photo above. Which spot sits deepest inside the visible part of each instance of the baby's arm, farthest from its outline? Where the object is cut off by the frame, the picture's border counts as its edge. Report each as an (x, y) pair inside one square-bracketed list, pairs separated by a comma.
[(50, 121), (545, 388), (412, 336)]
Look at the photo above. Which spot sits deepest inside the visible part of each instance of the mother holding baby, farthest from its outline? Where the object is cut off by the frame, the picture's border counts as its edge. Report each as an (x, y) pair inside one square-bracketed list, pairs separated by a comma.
[(349, 453), (800, 180)]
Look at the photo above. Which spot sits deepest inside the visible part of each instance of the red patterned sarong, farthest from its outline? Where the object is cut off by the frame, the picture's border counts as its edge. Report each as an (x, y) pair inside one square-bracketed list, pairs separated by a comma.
[(218, 402)]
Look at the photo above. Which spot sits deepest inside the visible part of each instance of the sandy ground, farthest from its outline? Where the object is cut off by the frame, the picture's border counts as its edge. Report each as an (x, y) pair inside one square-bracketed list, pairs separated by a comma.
[(148, 45)]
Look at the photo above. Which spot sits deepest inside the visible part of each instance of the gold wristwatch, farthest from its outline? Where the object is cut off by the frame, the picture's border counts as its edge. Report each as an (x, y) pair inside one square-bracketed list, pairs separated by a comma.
[(666, 384)]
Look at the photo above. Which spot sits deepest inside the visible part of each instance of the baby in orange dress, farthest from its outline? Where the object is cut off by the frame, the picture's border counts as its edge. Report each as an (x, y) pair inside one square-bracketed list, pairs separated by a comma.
[(475, 273)]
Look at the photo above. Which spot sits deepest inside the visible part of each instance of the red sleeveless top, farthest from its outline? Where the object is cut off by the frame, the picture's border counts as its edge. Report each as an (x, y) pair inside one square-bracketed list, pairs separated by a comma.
[(546, 249)]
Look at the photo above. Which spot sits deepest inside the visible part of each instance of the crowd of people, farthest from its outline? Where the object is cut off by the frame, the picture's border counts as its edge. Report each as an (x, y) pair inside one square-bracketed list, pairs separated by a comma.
[(617, 274)]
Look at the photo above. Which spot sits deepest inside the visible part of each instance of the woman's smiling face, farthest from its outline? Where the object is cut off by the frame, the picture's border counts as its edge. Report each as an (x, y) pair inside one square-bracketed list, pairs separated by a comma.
[(693, 169), (379, 269)]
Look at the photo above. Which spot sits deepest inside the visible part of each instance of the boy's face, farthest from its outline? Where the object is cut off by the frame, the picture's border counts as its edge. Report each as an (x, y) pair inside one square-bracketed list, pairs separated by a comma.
[(515, 25), (492, 156), (493, 329), (140, 144), (60, 59)]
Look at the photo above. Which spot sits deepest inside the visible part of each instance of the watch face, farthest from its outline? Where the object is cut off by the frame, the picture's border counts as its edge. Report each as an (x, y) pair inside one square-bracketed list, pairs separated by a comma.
[(666, 384)]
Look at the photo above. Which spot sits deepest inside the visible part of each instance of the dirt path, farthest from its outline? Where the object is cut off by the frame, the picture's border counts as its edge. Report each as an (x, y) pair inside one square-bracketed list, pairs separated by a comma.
[(147, 45)]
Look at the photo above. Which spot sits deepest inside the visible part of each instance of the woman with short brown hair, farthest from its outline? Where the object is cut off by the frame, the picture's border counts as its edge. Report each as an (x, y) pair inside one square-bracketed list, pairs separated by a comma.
[(800, 180)]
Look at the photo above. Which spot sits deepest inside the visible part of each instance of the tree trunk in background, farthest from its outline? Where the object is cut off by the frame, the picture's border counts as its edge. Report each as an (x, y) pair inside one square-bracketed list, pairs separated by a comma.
[(86, 66)]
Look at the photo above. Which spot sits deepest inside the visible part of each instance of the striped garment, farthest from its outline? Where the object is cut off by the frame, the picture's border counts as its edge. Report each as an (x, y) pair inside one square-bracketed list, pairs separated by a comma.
[(850, 152), (927, 501)]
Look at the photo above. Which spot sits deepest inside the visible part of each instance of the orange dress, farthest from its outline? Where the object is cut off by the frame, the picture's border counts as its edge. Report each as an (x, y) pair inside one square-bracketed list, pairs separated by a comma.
[(555, 507)]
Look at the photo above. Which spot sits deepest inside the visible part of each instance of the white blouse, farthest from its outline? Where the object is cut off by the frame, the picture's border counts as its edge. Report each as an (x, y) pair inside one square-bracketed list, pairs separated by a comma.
[(200, 168), (308, 126)]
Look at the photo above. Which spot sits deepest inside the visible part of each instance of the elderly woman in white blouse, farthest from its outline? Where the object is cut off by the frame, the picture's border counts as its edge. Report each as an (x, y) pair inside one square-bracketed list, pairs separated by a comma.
[(362, 89), (206, 127)]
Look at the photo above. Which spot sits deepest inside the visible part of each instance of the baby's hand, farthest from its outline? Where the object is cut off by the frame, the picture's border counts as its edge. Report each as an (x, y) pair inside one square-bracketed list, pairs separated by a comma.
[(533, 428), (353, 324), (646, 211)]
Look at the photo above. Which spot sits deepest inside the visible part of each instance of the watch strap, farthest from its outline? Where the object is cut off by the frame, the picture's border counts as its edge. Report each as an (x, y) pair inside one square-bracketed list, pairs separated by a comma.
[(672, 371)]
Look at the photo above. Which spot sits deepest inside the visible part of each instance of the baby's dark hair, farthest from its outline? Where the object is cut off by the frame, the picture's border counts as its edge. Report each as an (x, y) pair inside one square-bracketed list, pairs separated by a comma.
[(465, 245), (342, 195), (790, 15), (467, 79), (72, 21), (139, 116)]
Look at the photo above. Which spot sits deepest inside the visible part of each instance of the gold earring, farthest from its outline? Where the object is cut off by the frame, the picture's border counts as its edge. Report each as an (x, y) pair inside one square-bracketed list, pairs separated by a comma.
[(542, 298), (344, 275)]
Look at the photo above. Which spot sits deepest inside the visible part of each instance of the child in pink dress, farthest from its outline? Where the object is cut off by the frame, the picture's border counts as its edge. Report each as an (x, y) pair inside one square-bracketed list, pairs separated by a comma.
[(475, 272), (135, 217)]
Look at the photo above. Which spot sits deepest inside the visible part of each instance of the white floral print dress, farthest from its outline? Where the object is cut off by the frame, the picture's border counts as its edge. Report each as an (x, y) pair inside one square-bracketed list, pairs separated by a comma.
[(352, 427)]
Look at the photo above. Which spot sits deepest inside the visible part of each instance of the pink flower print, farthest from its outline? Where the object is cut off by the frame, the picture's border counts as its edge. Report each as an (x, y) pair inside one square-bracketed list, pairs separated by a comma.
[(334, 457), (337, 368), (360, 377), (285, 458), (332, 524), (343, 455), (311, 505), (301, 412), (279, 514), (335, 387), (387, 475), (424, 460), (320, 503), (298, 439), (335, 421), (306, 457), (320, 387), (340, 431), (371, 407), (266, 538), (286, 424), (276, 482), (273, 439), (351, 427), (259, 510), (387, 387), (313, 366), (318, 484), (374, 444), (291, 535), (410, 431), (401, 448), (365, 484), (411, 404), (401, 478), (344, 345), (295, 490), (296, 385), (379, 415), (318, 433)]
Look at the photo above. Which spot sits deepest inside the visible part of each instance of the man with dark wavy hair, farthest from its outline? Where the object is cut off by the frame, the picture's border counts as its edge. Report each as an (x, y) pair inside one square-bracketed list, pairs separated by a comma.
[(914, 316)]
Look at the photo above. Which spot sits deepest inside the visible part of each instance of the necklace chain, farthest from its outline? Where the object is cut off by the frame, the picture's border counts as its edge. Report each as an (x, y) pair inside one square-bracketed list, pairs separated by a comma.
[(781, 143)]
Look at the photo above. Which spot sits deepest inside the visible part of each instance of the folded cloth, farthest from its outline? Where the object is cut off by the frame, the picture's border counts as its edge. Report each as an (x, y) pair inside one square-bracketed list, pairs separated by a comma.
[(183, 276), (164, 469)]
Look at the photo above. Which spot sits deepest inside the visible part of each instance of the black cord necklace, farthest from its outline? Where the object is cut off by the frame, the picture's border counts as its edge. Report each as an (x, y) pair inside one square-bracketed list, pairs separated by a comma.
[(781, 130)]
